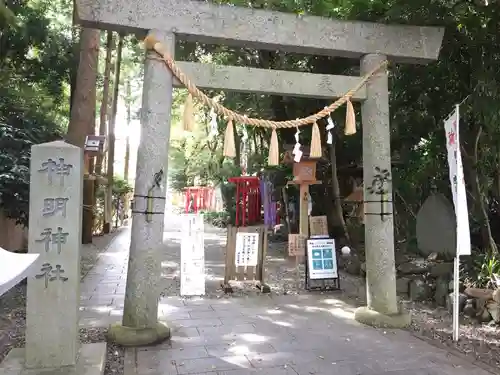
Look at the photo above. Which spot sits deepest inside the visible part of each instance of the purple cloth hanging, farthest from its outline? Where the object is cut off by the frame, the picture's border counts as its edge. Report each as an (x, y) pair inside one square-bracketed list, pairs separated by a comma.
[(269, 206)]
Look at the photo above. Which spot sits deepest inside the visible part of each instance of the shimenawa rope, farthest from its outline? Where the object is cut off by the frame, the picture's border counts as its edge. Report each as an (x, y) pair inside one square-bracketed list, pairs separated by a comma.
[(154, 45)]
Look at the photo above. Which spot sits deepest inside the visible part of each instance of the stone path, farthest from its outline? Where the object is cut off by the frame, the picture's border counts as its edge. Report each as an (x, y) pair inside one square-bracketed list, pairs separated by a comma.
[(268, 335), (103, 289)]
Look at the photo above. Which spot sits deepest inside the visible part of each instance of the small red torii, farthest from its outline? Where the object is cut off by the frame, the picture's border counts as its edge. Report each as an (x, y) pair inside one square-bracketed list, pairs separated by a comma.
[(248, 201), (202, 196)]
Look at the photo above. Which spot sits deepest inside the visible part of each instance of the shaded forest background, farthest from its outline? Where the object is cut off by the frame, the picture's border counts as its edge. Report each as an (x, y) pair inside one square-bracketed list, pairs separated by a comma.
[(45, 96)]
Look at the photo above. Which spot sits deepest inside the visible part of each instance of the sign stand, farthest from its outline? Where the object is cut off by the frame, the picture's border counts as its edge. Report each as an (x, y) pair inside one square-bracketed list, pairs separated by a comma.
[(321, 265), (456, 294)]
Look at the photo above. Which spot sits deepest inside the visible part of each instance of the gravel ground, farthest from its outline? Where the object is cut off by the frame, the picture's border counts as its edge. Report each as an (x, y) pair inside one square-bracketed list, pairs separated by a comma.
[(479, 342)]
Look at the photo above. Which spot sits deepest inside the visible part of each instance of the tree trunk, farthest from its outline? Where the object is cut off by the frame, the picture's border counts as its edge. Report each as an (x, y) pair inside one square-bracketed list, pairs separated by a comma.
[(105, 96), (486, 234), (82, 118), (111, 136)]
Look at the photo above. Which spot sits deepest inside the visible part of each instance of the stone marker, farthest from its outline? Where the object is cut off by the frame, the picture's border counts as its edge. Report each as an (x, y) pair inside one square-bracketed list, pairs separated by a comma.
[(436, 227), (53, 295)]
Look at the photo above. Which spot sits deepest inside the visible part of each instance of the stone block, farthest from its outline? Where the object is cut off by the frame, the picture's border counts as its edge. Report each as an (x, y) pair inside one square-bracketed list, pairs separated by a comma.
[(494, 310), (336, 368), (153, 354), (420, 290), (441, 292), (415, 267), (479, 293), (53, 294), (436, 227), (202, 365), (353, 265), (227, 330), (402, 285), (229, 349), (441, 269), (197, 323)]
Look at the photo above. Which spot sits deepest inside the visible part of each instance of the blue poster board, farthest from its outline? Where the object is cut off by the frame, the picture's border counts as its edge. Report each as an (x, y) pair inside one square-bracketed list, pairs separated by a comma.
[(321, 259)]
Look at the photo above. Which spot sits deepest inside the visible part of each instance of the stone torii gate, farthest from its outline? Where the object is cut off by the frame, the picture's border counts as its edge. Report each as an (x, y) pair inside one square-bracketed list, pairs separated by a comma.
[(204, 22)]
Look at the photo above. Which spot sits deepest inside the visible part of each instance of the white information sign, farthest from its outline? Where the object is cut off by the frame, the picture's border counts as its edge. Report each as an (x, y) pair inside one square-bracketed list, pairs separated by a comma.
[(247, 249), (321, 259), (192, 255)]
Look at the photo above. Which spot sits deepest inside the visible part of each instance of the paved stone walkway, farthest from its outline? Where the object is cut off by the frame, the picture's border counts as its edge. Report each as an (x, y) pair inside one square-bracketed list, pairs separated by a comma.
[(103, 289), (267, 335)]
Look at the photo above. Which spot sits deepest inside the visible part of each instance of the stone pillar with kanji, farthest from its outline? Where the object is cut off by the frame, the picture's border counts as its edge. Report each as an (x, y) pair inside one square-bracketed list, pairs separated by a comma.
[(55, 222)]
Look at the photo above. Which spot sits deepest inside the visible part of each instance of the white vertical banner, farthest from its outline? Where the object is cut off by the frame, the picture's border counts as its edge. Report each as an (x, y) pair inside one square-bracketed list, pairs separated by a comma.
[(192, 255), (451, 126), (452, 131)]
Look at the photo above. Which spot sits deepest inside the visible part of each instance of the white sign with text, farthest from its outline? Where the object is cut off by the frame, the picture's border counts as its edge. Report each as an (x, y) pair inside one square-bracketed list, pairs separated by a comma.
[(192, 255)]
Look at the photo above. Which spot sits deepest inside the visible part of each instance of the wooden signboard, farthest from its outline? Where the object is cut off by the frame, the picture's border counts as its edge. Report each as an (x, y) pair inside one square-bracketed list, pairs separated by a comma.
[(246, 250), (305, 171), (318, 225), (296, 245)]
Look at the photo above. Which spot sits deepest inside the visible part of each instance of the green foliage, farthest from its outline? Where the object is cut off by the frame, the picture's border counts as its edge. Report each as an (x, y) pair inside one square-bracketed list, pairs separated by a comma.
[(217, 219), (120, 186), (119, 189), (484, 271), (15, 168), (35, 61)]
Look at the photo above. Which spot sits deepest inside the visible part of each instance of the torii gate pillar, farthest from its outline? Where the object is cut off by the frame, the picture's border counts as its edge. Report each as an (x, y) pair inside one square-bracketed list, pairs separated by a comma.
[(382, 309), (140, 325)]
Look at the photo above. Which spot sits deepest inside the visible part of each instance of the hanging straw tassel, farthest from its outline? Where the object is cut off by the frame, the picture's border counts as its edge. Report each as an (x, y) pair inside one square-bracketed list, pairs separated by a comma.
[(274, 149), (350, 120), (315, 143), (229, 147), (188, 117)]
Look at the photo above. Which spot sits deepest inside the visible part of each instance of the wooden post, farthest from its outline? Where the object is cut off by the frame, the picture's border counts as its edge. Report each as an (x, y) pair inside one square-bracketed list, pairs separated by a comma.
[(304, 208)]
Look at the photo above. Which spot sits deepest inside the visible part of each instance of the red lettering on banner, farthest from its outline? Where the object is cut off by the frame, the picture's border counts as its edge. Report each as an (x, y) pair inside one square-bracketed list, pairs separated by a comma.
[(451, 138)]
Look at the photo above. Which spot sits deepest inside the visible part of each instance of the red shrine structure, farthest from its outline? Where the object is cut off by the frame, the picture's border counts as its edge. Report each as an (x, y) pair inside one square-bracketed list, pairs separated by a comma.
[(203, 198), (248, 200)]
